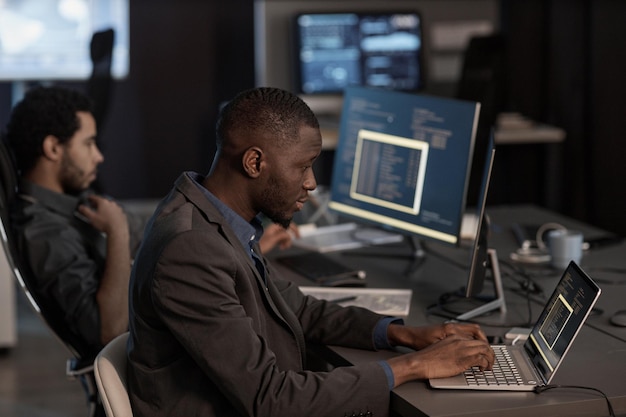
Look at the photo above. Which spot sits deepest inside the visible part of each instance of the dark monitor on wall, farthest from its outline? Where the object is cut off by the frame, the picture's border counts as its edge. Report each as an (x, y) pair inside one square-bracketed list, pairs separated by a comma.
[(379, 49), (50, 39), (403, 162)]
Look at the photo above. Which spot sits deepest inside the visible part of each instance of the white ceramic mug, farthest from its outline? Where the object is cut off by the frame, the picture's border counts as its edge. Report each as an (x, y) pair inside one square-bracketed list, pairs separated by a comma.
[(565, 246)]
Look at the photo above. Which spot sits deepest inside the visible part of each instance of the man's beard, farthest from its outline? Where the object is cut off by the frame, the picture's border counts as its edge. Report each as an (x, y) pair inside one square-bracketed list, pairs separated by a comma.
[(71, 177), (271, 199)]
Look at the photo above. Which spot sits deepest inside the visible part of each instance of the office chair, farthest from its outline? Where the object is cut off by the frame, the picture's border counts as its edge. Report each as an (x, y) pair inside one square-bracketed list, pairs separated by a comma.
[(79, 366), (110, 370)]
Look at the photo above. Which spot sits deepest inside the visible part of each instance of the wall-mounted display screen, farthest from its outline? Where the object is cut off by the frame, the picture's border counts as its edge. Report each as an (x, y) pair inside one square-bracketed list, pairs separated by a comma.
[(50, 39), (379, 49)]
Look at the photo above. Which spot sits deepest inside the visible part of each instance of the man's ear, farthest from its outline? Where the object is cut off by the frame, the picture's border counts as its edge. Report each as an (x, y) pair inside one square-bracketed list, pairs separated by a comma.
[(253, 161), (52, 149)]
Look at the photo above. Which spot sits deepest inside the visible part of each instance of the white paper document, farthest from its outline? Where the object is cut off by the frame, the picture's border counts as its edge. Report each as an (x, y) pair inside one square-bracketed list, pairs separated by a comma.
[(392, 302)]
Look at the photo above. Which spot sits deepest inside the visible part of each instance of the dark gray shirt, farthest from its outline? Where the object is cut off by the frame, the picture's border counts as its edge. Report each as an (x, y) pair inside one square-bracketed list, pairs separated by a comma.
[(64, 257)]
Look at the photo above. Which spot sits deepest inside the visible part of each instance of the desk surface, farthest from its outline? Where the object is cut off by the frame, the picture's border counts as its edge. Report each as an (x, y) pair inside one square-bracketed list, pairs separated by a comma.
[(597, 358)]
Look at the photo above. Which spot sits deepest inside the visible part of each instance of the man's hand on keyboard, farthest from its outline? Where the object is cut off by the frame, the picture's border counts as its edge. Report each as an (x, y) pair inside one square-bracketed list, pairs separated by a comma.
[(423, 336), (444, 351)]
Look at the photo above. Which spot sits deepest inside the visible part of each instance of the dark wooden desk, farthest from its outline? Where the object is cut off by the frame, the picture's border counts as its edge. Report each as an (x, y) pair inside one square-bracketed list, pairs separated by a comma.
[(597, 359)]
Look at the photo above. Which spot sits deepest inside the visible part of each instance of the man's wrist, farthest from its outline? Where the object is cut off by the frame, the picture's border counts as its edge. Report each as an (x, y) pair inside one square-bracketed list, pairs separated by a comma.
[(381, 332)]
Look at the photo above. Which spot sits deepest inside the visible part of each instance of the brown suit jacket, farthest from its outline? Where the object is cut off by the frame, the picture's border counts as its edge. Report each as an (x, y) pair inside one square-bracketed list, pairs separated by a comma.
[(209, 337)]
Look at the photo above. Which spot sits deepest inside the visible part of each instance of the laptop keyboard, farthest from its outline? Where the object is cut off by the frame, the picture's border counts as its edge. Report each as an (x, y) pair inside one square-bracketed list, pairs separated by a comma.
[(504, 371)]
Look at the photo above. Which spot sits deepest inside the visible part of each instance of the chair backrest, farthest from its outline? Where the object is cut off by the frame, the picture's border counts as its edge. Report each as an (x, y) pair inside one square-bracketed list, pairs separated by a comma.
[(77, 367), (110, 370), (8, 179), (8, 192)]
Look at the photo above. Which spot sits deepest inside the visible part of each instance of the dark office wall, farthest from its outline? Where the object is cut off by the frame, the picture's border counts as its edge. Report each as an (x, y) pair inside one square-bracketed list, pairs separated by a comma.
[(187, 56), (607, 91), (567, 63), (159, 119)]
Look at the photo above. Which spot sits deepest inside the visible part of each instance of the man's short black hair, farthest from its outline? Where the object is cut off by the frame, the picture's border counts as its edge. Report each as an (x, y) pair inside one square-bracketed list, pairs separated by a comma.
[(43, 111), (265, 109)]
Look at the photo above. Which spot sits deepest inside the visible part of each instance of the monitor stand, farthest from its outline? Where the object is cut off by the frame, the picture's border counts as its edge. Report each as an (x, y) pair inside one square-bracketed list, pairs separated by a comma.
[(416, 254), (499, 302)]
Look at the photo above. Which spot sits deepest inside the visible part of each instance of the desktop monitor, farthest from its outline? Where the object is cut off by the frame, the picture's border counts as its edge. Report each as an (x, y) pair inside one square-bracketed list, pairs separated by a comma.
[(479, 260), (403, 161), (50, 39), (483, 258), (379, 49)]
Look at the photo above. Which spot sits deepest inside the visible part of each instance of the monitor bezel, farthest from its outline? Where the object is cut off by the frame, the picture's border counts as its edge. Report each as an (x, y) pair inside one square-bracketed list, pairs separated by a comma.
[(479, 258), (452, 238)]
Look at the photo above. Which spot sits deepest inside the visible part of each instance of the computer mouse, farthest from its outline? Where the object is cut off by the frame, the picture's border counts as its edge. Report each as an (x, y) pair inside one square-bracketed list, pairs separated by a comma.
[(618, 318)]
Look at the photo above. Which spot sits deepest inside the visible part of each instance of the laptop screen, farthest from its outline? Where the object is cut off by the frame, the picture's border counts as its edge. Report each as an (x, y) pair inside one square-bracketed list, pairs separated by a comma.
[(561, 319)]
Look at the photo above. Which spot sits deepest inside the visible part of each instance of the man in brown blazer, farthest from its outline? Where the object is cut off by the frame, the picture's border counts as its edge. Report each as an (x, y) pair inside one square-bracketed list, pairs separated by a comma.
[(214, 331)]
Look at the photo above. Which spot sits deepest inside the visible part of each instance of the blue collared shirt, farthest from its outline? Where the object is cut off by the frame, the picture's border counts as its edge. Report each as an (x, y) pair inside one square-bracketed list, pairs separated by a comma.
[(249, 233)]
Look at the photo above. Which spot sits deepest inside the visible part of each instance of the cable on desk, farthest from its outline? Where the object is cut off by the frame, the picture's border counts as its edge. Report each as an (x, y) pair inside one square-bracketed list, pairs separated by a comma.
[(441, 309), (543, 388), (528, 285), (609, 269)]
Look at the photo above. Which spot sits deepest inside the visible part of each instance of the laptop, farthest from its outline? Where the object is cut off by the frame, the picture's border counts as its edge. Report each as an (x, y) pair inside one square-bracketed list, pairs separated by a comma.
[(536, 361)]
